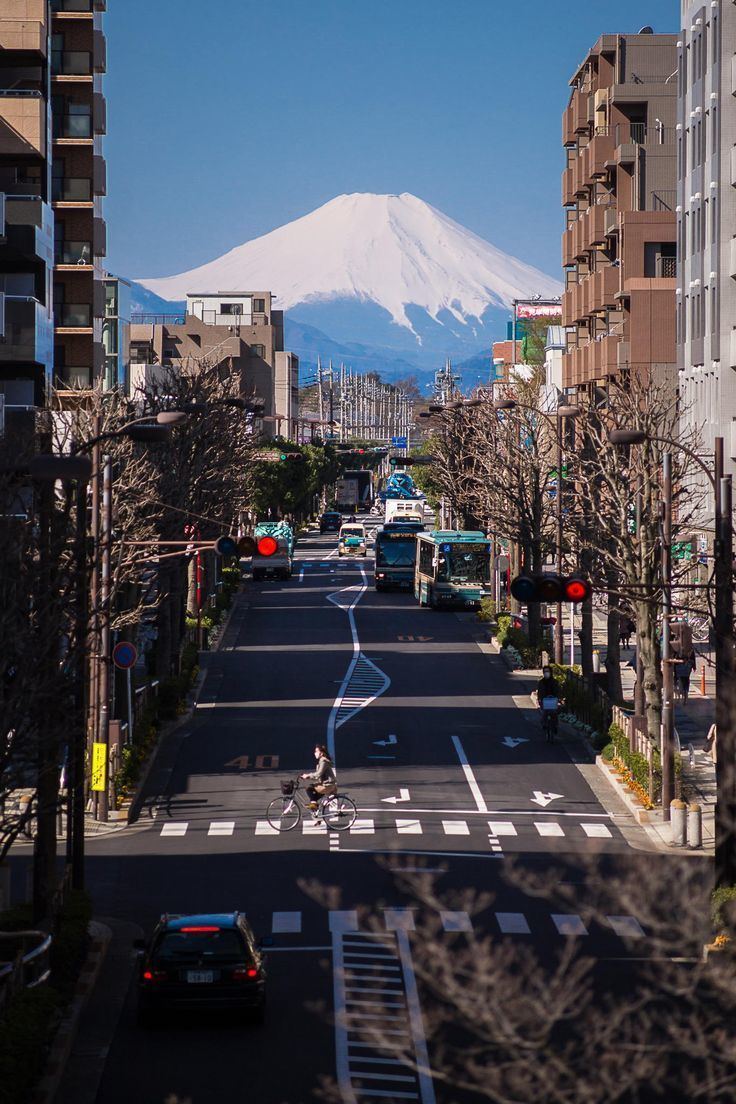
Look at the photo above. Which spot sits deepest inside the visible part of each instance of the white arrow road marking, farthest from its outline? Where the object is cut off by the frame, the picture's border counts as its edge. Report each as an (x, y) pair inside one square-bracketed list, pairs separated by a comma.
[(387, 742), (403, 796), (514, 741), (544, 799)]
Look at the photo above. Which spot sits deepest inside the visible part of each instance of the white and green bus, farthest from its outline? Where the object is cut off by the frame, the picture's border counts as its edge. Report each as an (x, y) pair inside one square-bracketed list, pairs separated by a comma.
[(452, 568)]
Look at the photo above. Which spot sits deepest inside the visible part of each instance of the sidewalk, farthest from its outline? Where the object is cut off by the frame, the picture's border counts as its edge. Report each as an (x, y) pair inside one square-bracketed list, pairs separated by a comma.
[(692, 722)]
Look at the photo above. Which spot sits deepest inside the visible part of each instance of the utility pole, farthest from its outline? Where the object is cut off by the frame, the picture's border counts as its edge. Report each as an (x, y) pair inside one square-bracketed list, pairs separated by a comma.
[(725, 826), (668, 709), (105, 649)]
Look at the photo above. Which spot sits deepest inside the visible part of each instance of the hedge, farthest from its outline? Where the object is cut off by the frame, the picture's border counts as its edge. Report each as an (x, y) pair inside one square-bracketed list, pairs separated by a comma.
[(720, 898), (29, 1020), (510, 637)]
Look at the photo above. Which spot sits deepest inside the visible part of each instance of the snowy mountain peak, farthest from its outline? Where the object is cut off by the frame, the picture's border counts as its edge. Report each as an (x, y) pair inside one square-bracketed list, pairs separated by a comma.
[(394, 251)]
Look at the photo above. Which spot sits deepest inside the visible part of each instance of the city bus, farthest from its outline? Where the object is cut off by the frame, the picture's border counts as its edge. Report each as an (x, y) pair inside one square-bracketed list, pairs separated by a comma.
[(395, 554), (452, 568)]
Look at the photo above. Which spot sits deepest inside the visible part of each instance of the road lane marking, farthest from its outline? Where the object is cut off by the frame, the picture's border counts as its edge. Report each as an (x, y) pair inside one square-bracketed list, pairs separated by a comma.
[(409, 827), (549, 828), (455, 827), (569, 924), (470, 777), (343, 921), (456, 922), (173, 828), (263, 828), (282, 922), (399, 919), (364, 827), (502, 828), (598, 830), (424, 1075), (628, 927), (512, 923), (221, 828)]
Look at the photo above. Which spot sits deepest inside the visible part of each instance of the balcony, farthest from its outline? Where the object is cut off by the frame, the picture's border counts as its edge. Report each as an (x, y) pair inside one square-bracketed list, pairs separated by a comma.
[(28, 334), (99, 175), (22, 123), (74, 64), (99, 237), (72, 7), (26, 35), (604, 286), (71, 128), (72, 190), (99, 51), (28, 232), (580, 111), (76, 254), (601, 148), (74, 378), (593, 230), (568, 194), (568, 127), (73, 316)]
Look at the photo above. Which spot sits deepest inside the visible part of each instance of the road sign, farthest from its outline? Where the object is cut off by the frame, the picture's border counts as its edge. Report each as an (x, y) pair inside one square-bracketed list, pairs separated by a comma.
[(398, 442), (124, 655)]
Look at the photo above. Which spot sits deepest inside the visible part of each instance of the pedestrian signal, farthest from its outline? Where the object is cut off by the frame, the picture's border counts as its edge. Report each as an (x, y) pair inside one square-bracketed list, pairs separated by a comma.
[(550, 588)]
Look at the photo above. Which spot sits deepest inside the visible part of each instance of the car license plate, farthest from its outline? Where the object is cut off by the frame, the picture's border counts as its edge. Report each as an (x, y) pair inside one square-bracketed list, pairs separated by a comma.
[(200, 977)]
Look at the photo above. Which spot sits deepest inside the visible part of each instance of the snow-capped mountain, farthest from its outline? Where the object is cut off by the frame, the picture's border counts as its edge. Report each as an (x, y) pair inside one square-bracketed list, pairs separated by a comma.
[(393, 250)]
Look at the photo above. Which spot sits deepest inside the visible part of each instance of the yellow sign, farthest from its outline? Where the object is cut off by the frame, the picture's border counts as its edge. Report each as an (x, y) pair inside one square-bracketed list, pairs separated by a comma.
[(99, 766)]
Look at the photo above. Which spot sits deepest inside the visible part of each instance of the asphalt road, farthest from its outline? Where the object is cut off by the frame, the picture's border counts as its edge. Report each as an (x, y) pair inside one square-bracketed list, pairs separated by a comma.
[(450, 777)]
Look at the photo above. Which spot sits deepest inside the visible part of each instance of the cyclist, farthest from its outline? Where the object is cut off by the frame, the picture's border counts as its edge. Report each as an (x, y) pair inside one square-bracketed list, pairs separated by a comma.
[(547, 690), (323, 779)]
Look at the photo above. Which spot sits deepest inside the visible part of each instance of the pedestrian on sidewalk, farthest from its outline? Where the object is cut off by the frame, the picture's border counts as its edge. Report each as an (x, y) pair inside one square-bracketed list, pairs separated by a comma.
[(626, 628), (683, 670)]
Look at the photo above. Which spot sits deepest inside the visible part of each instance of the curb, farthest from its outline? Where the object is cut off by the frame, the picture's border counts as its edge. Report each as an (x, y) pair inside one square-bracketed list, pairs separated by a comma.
[(66, 1032), (186, 718)]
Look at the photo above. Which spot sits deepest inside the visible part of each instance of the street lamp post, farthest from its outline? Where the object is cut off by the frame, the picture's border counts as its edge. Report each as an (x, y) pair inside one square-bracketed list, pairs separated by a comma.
[(668, 708)]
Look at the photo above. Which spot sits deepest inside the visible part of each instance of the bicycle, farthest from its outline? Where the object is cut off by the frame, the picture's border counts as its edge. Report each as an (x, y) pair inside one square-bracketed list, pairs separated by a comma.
[(550, 708), (337, 810)]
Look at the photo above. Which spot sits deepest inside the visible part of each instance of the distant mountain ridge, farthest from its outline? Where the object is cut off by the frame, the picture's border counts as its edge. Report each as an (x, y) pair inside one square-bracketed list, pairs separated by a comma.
[(388, 278)]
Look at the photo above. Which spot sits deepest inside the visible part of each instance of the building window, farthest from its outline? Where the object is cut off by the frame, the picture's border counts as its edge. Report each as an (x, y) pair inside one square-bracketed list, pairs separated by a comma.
[(259, 306), (258, 351), (713, 311), (684, 237), (716, 40), (231, 308)]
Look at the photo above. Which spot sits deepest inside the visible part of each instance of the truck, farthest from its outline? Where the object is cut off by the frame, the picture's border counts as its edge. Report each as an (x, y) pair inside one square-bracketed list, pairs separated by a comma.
[(273, 557), (346, 494), (404, 509), (364, 478)]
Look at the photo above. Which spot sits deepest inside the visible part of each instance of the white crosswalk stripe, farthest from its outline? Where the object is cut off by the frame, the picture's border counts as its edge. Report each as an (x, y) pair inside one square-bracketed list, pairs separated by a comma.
[(408, 827), (347, 923), (549, 828), (263, 828), (502, 828), (362, 827), (221, 828), (569, 925), (455, 827), (596, 830), (172, 828)]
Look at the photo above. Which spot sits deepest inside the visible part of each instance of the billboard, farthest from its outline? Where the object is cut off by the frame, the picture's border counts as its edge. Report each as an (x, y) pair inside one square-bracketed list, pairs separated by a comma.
[(537, 308)]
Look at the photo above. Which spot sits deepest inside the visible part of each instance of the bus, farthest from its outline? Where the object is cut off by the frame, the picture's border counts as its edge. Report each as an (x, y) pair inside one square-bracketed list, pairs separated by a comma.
[(395, 554), (452, 568)]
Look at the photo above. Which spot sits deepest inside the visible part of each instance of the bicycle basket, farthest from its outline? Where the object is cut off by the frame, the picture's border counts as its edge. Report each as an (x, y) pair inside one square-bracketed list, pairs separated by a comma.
[(287, 788)]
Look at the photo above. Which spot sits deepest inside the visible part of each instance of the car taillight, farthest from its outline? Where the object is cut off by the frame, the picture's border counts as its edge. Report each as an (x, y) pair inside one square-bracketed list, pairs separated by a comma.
[(154, 975), (245, 973)]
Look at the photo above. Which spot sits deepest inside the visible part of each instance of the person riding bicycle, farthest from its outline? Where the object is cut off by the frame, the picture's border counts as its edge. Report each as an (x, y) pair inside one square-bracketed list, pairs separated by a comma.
[(547, 689), (324, 779)]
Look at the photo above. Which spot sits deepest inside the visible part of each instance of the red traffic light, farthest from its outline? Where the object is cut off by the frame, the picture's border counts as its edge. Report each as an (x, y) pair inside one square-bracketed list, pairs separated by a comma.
[(267, 546), (577, 590), (550, 588)]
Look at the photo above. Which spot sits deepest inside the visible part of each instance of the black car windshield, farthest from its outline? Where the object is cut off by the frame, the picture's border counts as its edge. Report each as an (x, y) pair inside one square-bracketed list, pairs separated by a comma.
[(222, 945), (460, 566), (396, 552)]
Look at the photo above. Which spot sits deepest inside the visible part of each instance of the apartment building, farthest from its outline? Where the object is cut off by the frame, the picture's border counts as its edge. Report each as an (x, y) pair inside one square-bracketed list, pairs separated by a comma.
[(78, 62), (240, 330), (619, 197), (706, 223), (26, 217)]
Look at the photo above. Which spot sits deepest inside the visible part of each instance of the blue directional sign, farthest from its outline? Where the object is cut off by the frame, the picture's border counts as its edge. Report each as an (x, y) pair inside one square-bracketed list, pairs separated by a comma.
[(398, 442)]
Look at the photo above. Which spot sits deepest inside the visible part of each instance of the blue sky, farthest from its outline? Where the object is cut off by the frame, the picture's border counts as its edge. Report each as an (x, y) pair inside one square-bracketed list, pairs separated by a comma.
[(229, 118)]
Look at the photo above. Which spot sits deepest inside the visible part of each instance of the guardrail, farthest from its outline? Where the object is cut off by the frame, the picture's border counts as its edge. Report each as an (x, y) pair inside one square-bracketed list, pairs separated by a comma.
[(27, 968)]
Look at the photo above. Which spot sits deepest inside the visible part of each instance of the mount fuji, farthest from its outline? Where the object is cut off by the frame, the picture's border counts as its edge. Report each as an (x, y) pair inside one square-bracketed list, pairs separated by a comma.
[(388, 277)]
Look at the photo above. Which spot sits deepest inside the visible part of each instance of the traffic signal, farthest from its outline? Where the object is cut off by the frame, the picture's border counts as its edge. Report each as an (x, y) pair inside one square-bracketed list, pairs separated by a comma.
[(267, 546), (550, 588), (226, 546), (295, 456), (246, 546)]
